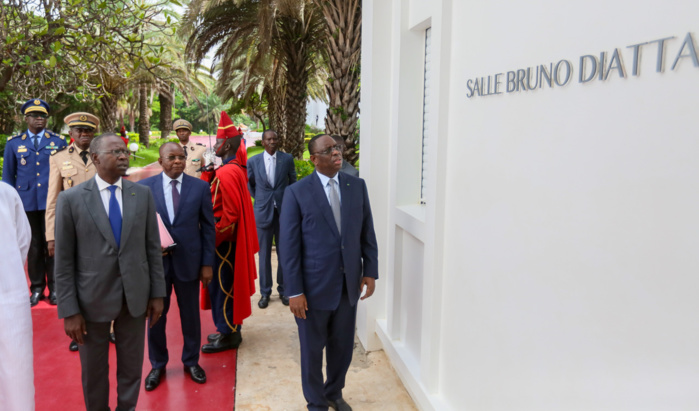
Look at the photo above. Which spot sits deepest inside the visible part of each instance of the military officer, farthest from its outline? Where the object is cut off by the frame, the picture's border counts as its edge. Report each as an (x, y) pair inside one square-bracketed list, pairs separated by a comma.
[(26, 168), (194, 153), (70, 165)]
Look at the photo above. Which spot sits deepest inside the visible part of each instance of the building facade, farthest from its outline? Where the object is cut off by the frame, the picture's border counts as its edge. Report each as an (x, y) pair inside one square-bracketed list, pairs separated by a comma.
[(534, 181)]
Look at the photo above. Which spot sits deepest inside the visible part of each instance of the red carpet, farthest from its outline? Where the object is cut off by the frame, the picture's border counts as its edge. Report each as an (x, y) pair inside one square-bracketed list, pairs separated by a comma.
[(57, 370)]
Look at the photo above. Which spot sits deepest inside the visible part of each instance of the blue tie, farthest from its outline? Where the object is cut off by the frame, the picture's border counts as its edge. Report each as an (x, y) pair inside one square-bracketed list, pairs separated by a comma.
[(115, 215)]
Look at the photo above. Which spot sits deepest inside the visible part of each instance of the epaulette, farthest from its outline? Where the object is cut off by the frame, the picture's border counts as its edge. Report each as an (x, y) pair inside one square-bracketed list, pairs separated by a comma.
[(11, 137), (57, 150)]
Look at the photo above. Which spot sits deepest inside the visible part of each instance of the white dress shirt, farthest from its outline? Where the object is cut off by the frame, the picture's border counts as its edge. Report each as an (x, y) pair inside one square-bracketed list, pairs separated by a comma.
[(324, 181), (270, 166), (105, 193), (167, 192)]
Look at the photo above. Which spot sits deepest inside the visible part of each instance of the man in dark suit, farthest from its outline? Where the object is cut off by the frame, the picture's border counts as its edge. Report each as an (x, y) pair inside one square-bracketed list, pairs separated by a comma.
[(329, 254), (108, 267), (184, 205), (268, 176)]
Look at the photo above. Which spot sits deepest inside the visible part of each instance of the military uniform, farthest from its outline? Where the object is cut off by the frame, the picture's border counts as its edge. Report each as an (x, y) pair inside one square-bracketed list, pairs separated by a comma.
[(26, 168), (194, 153), (67, 170), (195, 158)]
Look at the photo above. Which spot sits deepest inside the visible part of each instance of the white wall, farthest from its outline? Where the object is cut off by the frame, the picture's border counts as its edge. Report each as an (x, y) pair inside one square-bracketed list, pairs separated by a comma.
[(555, 265)]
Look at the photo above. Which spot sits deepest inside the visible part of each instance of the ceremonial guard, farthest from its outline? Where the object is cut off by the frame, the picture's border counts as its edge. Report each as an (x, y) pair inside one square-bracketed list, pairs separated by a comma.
[(193, 153), (26, 168), (236, 240)]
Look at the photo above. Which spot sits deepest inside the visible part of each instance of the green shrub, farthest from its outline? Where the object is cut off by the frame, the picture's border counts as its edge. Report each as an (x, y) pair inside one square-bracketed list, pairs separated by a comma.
[(303, 168), (258, 143)]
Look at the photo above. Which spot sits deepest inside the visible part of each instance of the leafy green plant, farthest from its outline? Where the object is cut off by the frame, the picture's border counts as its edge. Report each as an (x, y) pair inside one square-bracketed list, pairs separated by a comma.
[(303, 168)]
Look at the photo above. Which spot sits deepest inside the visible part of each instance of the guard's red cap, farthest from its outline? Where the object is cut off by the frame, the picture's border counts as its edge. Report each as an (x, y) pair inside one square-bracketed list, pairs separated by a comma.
[(226, 128)]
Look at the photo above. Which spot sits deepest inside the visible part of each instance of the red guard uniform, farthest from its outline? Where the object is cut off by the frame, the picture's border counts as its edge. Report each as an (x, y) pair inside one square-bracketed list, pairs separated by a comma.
[(236, 244)]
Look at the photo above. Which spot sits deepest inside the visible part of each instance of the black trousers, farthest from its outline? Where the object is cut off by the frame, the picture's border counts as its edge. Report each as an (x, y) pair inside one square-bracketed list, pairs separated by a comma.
[(39, 264)]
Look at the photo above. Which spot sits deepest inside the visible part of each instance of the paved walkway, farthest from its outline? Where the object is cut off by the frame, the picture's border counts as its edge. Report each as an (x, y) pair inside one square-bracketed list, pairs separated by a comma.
[(269, 374)]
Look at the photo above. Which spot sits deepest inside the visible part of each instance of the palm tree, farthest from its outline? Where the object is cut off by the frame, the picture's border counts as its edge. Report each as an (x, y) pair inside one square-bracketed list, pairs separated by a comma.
[(253, 31), (343, 20)]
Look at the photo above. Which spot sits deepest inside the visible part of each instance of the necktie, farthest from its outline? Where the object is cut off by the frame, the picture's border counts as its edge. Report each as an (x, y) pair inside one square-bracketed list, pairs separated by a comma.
[(84, 156), (335, 204), (185, 151), (270, 172), (36, 141), (175, 197), (115, 215)]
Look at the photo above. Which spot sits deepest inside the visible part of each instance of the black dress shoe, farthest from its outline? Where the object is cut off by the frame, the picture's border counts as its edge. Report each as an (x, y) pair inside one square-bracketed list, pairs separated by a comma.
[(73, 346), (264, 302), (52, 298), (339, 405), (285, 299), (153, 378), (112, 338), (214, 337), (35, 298), (197, 373), (226, 342)]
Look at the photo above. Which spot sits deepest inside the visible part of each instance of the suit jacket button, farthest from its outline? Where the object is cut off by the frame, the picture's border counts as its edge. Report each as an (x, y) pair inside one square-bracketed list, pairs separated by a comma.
[(39, 185)]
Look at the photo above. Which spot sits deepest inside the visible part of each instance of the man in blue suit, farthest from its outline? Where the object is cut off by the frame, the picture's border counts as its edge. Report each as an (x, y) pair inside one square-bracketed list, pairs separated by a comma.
[(329, 254), (184, 205), (269, 175), (26, 168)]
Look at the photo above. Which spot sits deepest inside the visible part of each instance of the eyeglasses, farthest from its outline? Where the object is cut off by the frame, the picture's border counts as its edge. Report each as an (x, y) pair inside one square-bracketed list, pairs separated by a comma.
[(116, 153), (173, 158), (329, 150), (38, 115)]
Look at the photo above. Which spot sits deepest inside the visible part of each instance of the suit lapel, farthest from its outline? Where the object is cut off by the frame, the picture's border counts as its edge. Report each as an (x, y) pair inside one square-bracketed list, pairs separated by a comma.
[(184, 191), (128, 214), (345, 201), (159, 197), (278, 168), (95, 206), (321, 200)]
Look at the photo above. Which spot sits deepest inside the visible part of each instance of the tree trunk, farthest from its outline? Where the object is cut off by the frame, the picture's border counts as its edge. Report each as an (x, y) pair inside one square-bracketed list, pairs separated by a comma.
[(165, 97), (132, 121), (143, 120), (343, 20), (108, 110)]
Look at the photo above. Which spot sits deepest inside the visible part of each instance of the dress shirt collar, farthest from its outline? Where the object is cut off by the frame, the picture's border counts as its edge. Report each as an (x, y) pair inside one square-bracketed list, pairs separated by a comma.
[(167, 179), (101, 184), (40, 134), (324, 179), (267, 156)]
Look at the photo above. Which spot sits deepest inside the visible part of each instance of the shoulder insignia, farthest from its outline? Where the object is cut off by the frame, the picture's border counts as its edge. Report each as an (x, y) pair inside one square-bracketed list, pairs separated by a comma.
[(71, 149), (11, 137), (24, 136), (57, 150)]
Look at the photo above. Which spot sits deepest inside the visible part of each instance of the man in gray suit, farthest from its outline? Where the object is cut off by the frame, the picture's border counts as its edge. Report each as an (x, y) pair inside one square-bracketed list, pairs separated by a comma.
[(108, 267), (268, 176), (346, 168)]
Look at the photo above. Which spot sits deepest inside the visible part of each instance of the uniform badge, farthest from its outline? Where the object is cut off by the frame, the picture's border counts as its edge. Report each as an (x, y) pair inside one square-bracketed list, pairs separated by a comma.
[(24, 136), (22, 149), (23, 162), (69, 182), (37, 102), (83, 118)]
